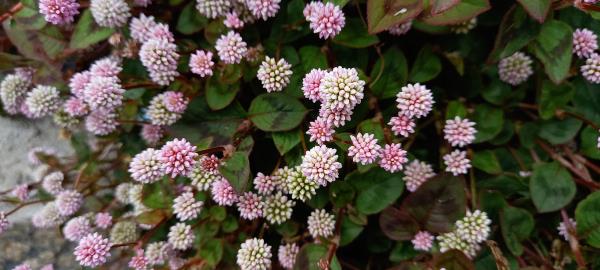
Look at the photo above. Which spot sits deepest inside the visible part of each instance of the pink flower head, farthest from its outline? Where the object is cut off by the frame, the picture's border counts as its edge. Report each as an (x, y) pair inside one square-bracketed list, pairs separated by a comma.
[(201, 63), (68, 202), (311, 83), (78, 83), (93, 250), (585, 42), (311, 8), (77, 228), (104, 93), (141, 26), (161, 31), (103, 220), (341, 89), (265, 184), (250, 206), (563, 229), (175, 101), (21, 192), (263, 8), (223, 193), (232, 21), (231, 48), (400, 29), (4, 224), (106, 67), (459, 132), (101, 122), (59, 11), (402, 125), (152, 134), (392, 157), (423, 240), (146, 167), (186, 207), (210, 164), (23, 266), (76, 107), (287, 255), (320, 131), (457, 162), (160, 57), (139, 261), (591, 69), (415, 100), (178, 157), (327, 20), (335, 117), (320, 165), (515, 69), (364, 148), (416, 173)]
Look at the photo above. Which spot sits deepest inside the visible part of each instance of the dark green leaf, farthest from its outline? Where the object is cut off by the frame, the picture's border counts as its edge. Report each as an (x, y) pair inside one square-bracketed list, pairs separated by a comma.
[(389, 74), (553, 46), (311, 57), (486, 161), (426, 67), (455, 108), (553, 97), (516, 31), (355, 35), (588, 219), (211, 251), (157, 195), (488, 122), (190, 21), (309, 256), (538, 9), (376, 188), (517, 224), (397, 224), (219, 96), (237, 171), (87, 32), (349, 231), (286, 140), (551, 187), (453, 260), (559, 131), (276, 112), (589, 142)]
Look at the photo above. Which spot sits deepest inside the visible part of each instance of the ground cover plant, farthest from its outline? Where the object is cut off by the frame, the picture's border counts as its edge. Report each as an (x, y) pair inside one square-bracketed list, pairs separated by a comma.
[(268, 134)]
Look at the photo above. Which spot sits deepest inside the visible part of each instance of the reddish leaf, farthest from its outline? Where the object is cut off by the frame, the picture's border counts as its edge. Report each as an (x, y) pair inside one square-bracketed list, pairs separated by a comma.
[(397, 224), (383, 14)]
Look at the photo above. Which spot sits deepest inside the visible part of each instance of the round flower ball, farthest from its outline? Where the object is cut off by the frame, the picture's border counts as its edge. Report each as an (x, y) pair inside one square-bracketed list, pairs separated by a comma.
[(146, 166), (320, 165), (274, 75), (591, 69), (515, 69), (231, 48), (93, 250), (42, 101), (327, 20), (414, 100), (321, 224), (254, 254), (59, 12), (110, 13)]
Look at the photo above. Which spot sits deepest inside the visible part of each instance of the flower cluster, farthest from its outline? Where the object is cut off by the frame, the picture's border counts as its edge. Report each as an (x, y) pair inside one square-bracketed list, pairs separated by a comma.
[(515, 69), (469, 233), (326, 19), (274, 75)]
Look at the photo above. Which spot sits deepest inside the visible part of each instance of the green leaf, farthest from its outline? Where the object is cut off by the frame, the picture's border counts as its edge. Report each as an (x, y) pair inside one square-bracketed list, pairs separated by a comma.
[(455, 108), (276, 112), (426, 67), (372, 126), (402, 251), (237, 171), (464, 11), (377, 189), (516, 31), (559, 131), (553, 46), (311, 57), (553, 97), (190, 21), (389, 73), (383, 14), (219, 95), (497, 92), (349, 231), (586, 101), (551, 187), (437, 203), (157, 195), (439, 6), (87, 32), (486, 161), (355, 35), (517, 224), (589, 142), (286, 140), (538, 9), (488, 121), (588, 219), (453, 259), (341, 193), (211, 251), (309, 256)]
